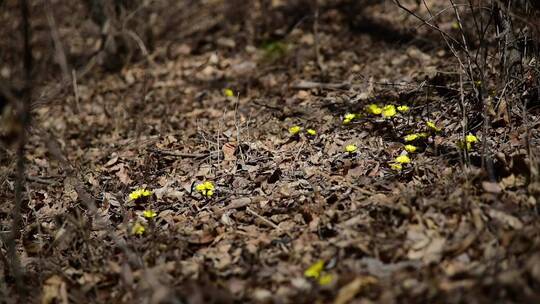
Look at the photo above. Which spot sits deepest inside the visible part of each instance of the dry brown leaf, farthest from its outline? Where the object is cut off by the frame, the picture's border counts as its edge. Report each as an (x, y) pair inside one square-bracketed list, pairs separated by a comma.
[(54, 291), (201, 238), (112, 160), (505, 218), (229, 151), (425, 244), (512, 181), (168, 192), (491, 187), (351, 290)]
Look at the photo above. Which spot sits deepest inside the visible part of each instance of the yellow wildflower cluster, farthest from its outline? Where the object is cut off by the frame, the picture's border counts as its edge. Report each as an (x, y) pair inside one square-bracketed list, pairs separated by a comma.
[(149, 214), (349, 117), (396, 166), (295, 130), (139, 196), (387, 110), (411, 148), (316, 271), (470, 139), (415, 136), (403, 159), (403, 109), (352, 148), (374, 109), (138, 229), (139, 193), (228, 92), (207, 188), (399, 161), (430, 124)]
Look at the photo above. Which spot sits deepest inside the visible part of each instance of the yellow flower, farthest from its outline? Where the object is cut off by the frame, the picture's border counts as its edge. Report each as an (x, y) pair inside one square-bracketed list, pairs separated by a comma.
[(389, 111), (348, 118), (410, 148), (402, 159), (351, 148), (311, 132), (138, 229), (295, 130), (139, 193), (403, 109), (315, 270), (206, 188), (325, 279), (432, 126), (397, 164), (374, 109), (415, 136), (469, 141), (228, 92), (471, 138), (149, 214), (396, 167), (411, 137)]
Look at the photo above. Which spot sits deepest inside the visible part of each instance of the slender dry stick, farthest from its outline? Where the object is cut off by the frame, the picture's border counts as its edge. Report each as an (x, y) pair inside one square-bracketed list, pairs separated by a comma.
[(318, 57), (59, 49), (262, 218), (20, 180), (478, 92), (238, 128), (77, 107), (464, 122), (140, 44), (469, 69), (433, 26), (533, 164), (446, 37)]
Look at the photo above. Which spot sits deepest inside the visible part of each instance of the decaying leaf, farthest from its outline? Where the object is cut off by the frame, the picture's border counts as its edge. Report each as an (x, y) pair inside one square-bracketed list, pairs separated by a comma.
[(54, 291), (351, 290)]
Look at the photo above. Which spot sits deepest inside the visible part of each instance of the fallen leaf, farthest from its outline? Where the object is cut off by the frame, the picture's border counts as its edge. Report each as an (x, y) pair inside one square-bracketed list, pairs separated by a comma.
[(491, 187), (168, 192), (201, 238), (505, 218), (54, 291), (123, 175), (112, 161), (351, 290), (229, 151), (425, 245)]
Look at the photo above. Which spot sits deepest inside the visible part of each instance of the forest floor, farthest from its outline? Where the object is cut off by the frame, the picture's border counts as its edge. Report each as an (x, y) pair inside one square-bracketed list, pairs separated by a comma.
[(291, 217)]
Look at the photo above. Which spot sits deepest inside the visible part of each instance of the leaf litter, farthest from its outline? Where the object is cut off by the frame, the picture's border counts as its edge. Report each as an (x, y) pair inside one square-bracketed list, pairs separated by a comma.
[(202, 185)]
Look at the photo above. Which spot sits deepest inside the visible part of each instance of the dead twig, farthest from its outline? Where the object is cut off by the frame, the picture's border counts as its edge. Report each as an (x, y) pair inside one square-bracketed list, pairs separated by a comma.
[(306, 85), (235, 204), (181, 154), (42, 180), (316, 44), (58, 47), (24, 117), (76, 92), (265, 220)]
